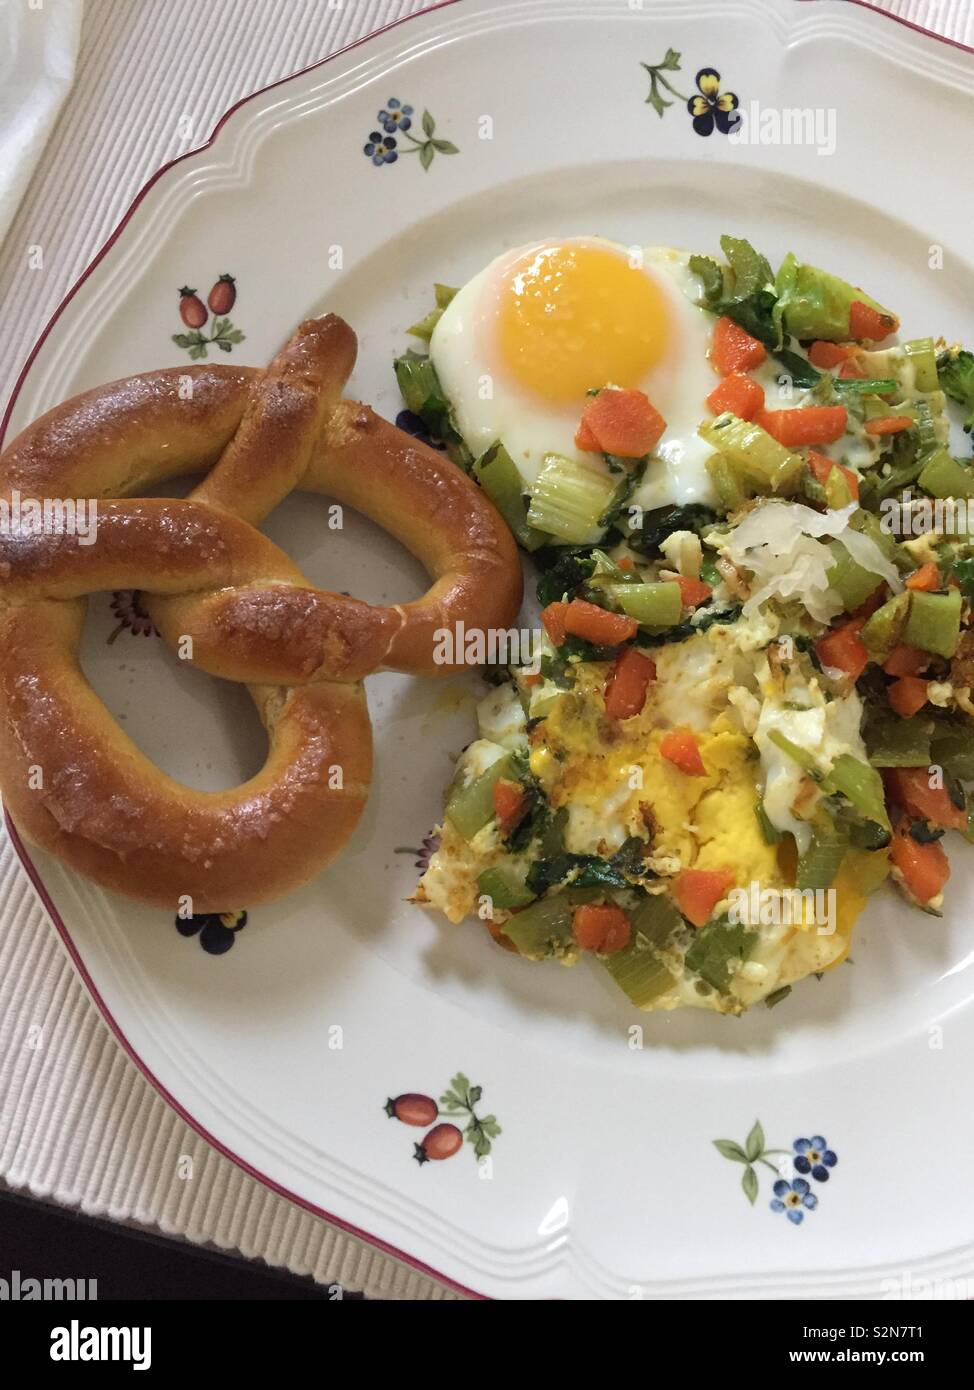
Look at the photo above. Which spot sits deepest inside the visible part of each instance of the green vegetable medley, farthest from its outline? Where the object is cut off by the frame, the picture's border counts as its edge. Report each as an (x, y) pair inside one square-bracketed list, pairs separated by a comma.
[(772, 683)]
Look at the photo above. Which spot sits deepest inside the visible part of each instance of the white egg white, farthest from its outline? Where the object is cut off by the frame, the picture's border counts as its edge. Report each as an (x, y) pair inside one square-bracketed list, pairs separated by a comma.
[(490, 406)]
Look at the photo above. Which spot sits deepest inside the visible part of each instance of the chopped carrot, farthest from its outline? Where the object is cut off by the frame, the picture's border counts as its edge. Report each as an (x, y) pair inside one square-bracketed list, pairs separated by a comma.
[(889, 424), (808, 424), (692, 591), (601, 927), (625, 423), (680, 747), (586, 439), (626, 563), (826, 355), (851, 370), (907, 695), (910, 788), (734, 350), (625, 690), (868, 323), (597, 624), (531, 678), (698, 891), (821, 466), (844, 649), (925, 868), (906, 661), (739, 394), (553, 618), (510, 803), (927, 577)]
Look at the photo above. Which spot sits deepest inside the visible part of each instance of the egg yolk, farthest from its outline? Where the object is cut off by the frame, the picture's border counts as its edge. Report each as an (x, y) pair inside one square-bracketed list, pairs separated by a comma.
[(575, 317)]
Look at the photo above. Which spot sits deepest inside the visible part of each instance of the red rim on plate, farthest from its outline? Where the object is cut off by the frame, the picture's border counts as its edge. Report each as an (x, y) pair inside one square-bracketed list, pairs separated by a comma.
[(20, 849)]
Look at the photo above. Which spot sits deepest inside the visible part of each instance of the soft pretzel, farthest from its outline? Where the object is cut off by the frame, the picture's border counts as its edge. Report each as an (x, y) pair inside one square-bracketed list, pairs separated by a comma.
[(252, 616)]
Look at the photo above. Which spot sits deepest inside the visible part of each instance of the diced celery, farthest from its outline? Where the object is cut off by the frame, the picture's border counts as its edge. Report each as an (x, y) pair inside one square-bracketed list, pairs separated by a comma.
[(818, 866), (922, 355), (883, 630), (657, 918), (933, 623), (637, 969), (931, 430), (497, 474), (654, 605), (569, 496), (838, 493), (872, 527), (952, 748), (895, 742), (417, 381), (470, 808), (753, 454), (730, 493), (424, 329), (504, 885), (850, 580), (861, 785), (544, 929), (944, 476)]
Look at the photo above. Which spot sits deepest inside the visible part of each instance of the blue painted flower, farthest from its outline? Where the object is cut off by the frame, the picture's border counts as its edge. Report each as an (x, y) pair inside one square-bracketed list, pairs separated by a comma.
[(814, 1156), (381, 149), (793, 1198), (395, 116)]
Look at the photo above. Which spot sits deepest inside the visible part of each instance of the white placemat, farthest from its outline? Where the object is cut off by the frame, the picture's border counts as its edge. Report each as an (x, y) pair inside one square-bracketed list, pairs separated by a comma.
[(78, 1122)]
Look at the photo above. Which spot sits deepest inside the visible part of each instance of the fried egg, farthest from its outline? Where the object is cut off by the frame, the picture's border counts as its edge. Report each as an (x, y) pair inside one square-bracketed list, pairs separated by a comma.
[(522, 343)]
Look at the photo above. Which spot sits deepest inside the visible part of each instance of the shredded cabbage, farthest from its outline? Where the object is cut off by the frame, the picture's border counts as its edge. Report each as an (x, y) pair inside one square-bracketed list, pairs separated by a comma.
[(779, 543)]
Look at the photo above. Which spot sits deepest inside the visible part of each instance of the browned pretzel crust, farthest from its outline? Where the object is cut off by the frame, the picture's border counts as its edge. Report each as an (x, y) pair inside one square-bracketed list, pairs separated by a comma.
[(72, 779)]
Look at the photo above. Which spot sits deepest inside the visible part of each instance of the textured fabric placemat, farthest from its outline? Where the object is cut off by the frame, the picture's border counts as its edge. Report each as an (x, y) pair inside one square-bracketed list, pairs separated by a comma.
[(78, 1122)]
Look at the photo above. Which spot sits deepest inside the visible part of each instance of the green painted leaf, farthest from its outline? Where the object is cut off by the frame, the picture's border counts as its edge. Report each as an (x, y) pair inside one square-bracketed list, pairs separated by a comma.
[(474, 1094), (198, 351), (656, 101), (426, 154), (445, 146), (429, 125), (749, 1182), (220, 327), (754, 1143), (672, 61), (224, 346), (730, 1150), (490, 1126), (181, 340)]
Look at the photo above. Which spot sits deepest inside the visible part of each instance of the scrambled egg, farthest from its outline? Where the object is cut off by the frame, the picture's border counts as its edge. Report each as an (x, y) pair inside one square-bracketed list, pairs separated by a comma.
[(612, 783)]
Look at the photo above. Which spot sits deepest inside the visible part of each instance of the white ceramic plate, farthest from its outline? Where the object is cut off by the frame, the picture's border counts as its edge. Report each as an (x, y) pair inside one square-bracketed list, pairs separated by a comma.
[(604, 1180)]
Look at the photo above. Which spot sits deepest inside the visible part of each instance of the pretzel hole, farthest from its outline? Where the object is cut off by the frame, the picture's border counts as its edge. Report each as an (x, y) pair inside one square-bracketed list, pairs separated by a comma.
[(202, 731), (359, 558)]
